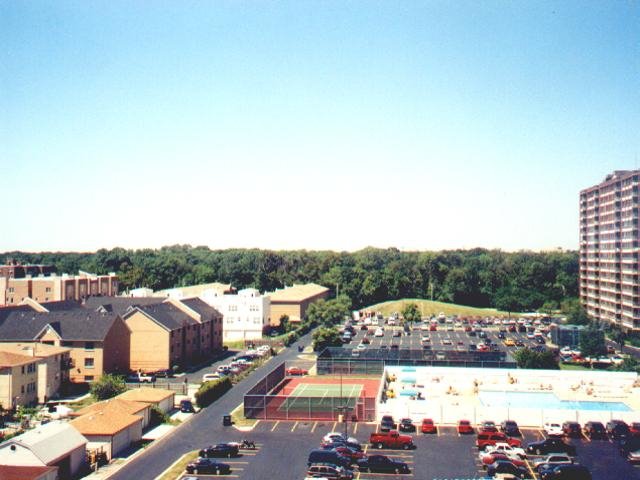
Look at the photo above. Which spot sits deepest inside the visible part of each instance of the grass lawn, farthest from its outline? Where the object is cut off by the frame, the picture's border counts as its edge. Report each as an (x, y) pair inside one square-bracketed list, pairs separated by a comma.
[(428, 308), (178, 468), (238, 419), (85, 402)]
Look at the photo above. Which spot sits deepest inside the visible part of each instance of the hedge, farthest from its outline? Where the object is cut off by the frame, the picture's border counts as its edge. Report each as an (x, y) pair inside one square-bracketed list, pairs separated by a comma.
[(209, 392)]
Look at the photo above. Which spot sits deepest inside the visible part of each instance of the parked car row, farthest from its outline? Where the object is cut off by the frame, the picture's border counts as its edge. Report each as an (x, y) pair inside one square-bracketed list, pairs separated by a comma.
[(238, 363), (339, 456), (502, 454)]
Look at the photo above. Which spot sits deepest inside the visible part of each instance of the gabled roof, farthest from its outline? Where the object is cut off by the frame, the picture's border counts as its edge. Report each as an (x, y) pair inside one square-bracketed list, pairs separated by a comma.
[(147, 395), (12, 472), (10, 359), (105, 421), (51, 441), (200, 306), (76, 324), (119, 305), (166, 315), (116, 405)]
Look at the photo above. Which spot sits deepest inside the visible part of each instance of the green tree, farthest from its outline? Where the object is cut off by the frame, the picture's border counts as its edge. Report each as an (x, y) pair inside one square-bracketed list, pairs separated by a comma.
[(325, 337), (108, 386), (575, 312), (592, 342), (411, 313), (527, 358)]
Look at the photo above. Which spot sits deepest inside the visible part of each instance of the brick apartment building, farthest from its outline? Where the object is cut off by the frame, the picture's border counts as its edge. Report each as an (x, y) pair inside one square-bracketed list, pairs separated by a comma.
[(609, 248), (293, 301), (54, 288), (14, 269)]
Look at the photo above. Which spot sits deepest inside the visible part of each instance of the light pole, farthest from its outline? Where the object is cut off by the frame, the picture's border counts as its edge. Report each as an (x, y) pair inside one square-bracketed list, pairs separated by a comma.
[(343, 409)]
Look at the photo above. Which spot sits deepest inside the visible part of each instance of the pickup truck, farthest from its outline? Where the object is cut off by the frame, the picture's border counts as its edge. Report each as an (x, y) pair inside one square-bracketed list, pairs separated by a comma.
[(140, 377), (391, 439)]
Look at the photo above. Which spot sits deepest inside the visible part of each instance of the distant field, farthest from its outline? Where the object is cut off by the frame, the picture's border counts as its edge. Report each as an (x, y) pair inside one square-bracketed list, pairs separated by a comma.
[(428, 308)]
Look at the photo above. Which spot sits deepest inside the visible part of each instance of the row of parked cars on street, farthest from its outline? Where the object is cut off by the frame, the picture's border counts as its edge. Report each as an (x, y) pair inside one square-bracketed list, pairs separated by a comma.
[(339, 456), (237, 364)]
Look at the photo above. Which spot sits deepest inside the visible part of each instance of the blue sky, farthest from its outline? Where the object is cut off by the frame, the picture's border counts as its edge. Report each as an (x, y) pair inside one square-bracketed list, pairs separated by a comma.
[(318, 125)]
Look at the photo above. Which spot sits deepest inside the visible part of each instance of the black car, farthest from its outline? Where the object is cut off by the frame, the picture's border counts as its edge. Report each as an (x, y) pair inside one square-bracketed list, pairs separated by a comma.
[(617, 429), (551, 445), (387, 423), (207, 465), (595, 430), (472, 333), (510, 428), (382, 464), (503, 466), (406, 425), (519, 343), (571, 429), (566, 472), (540, 340), (501, 335), (219, 450), (186, 406), (629, 444), (166, 373)]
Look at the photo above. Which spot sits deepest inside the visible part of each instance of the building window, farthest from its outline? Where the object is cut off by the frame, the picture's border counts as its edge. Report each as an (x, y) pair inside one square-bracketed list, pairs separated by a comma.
[(11, 290), (21, 388), (47, 290), (89, 345), (31, 368), (88, 363), (88, 378), (65, 343)]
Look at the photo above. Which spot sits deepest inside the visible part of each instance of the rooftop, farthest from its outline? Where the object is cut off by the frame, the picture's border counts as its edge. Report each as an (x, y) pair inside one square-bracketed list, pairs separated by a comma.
[(51, 441), (33, 349), (9, 359), (118, 406), (146, 394), (11, 472), (297, 293), (194, 290), (107, 418)]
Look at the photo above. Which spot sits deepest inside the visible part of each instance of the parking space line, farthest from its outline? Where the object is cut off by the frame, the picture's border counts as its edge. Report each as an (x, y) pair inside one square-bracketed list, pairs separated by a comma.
[(275, 425), (294, 426), (315, 424), (355, 429), (333, 429)]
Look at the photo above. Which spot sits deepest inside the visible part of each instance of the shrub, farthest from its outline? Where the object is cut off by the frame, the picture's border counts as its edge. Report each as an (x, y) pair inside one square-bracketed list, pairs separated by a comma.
[(108, 386), (209, 392), (157, 417)]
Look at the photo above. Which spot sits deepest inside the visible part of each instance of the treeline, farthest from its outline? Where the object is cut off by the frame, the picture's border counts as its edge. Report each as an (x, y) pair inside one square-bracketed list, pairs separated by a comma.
[(520, 281)]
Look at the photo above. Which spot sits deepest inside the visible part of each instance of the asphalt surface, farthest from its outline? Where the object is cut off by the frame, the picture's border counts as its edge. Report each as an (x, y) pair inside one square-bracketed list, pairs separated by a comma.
[(283, 448), (205, 428)]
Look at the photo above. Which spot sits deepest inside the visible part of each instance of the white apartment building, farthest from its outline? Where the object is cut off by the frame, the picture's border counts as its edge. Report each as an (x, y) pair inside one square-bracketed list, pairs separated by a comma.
[(245, 314)]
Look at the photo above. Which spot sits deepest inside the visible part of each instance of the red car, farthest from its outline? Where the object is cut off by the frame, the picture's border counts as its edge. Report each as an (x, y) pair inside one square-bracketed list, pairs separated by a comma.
[(428, 426), (354, 455), (496, 456), (634, 429), (297, 371), (433, 328), (465, 427)]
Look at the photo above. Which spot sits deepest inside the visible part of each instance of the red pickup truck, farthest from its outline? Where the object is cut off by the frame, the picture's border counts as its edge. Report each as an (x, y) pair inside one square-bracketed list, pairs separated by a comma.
[(391, 439)]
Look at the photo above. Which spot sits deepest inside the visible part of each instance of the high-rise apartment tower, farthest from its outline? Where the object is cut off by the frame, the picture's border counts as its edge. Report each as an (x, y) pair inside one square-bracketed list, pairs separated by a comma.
[(609, 248)]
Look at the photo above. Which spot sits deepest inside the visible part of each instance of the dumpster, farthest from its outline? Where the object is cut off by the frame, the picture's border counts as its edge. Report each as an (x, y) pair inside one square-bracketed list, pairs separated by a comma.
[(226, 420)]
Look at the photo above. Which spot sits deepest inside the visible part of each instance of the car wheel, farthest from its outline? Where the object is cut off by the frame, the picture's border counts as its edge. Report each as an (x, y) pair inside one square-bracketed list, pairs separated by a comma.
[(405, 446), (538, 451), (380, 446), (217, 472)]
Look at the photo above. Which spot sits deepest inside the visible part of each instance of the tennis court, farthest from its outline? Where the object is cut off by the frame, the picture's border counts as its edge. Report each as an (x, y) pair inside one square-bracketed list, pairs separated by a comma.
[(321, 396)]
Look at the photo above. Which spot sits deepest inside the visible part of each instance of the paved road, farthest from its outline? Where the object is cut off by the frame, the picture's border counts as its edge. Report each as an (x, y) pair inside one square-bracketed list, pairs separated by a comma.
[(204, 429)]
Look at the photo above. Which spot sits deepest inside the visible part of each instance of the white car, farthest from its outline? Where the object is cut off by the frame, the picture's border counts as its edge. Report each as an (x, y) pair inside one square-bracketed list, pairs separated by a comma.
[(446, 341), (379, 333), (209, 377), (361, 346), (331, 436), (507, 449), (553, 459), (553, 429)]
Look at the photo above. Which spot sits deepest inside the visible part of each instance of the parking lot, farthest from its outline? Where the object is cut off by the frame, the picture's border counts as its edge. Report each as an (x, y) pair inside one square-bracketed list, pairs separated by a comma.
[(446, 337), (283, 447)]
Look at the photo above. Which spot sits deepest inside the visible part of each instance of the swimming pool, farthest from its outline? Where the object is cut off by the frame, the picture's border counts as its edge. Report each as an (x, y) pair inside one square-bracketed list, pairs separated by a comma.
[(545, 400)]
